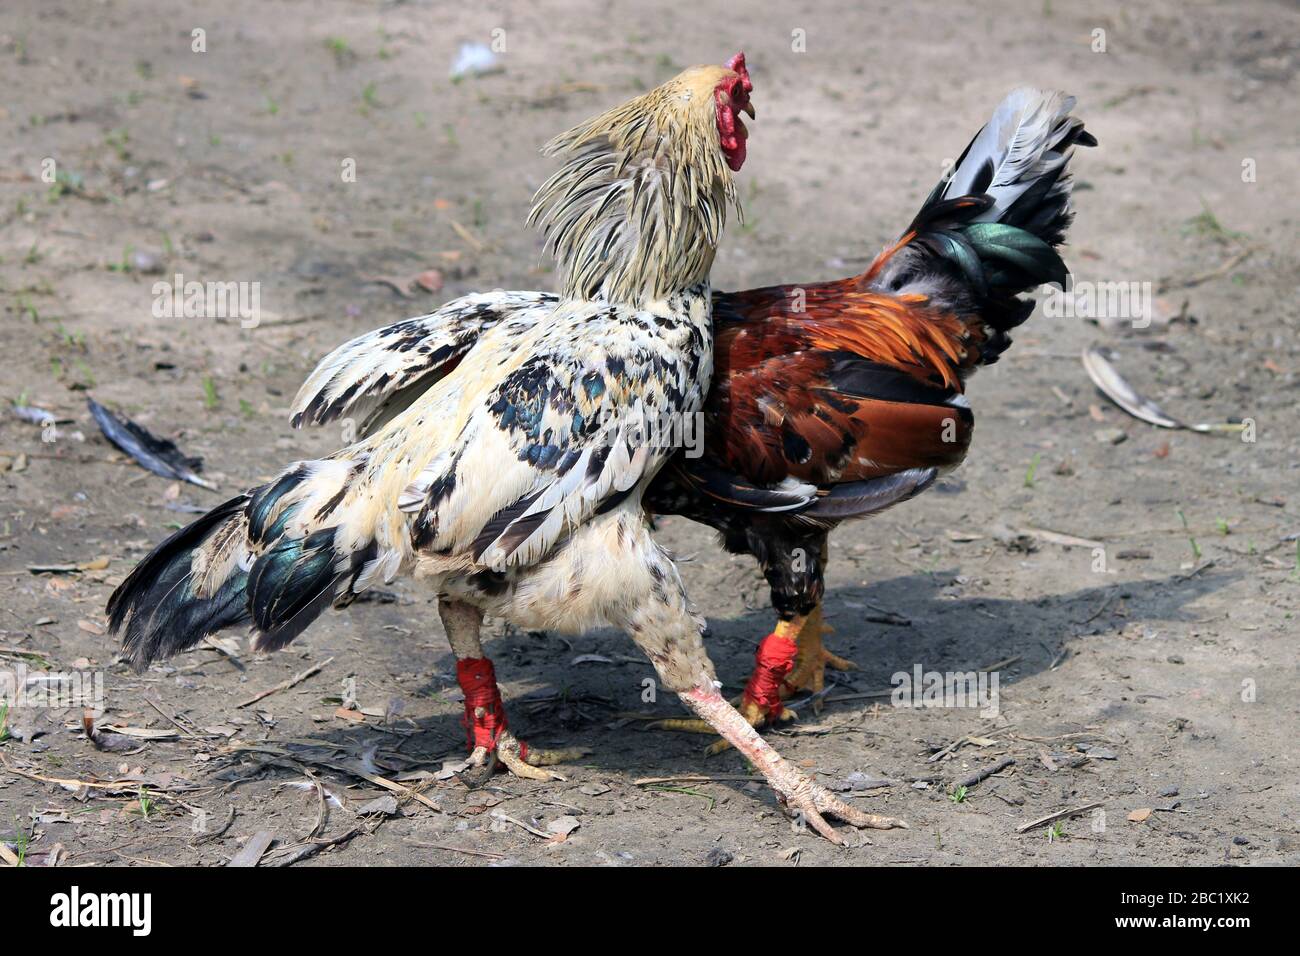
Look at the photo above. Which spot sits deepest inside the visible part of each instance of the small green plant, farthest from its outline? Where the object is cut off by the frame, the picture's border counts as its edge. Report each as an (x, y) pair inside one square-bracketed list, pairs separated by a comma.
[(958, 795), (369, 97), (1206, 223), (210, 398), (21, 841), (1222, 525), (1196, 548), (117, 140), (64, 182), (4, 722), (146, 803), (33, 256), (124, 266), (339, 47), (87, 377), (1033, 469), (272, 107), (1056, 831)]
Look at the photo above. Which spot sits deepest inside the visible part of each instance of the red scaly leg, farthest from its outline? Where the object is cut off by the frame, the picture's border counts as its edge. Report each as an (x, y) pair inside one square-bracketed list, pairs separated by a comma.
[(487, 731)]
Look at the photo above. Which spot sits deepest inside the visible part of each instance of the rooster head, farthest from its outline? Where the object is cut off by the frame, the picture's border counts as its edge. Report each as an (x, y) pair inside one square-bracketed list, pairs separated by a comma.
[(638, 206)]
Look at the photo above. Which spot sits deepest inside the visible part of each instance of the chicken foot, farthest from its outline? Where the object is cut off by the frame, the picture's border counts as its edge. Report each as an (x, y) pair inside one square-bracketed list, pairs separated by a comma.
[(489, 740), (671, 637), (804, 800), (810, 664)]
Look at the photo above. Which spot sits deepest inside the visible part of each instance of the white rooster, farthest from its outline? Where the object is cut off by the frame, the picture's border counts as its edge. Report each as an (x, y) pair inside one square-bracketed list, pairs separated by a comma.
[(513, 483)]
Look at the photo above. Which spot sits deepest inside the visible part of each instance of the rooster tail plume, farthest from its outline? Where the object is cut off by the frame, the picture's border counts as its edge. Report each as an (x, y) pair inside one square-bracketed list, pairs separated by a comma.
[(272, 558), (988, 232)]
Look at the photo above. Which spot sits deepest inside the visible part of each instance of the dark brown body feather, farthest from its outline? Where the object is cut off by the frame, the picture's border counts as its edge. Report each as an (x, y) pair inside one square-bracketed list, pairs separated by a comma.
[(835, 400), (845, 391)]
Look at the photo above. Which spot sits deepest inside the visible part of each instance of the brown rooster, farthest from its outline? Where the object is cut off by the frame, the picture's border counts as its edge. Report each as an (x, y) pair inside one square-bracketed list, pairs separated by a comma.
[(835, 400)]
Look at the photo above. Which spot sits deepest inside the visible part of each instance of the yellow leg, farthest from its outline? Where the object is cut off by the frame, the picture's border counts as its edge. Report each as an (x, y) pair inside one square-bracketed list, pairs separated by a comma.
[(810, 665)]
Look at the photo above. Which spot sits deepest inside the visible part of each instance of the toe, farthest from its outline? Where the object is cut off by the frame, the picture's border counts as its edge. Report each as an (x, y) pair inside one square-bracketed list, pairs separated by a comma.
[(840, 663), (510, 753), (686, 725)]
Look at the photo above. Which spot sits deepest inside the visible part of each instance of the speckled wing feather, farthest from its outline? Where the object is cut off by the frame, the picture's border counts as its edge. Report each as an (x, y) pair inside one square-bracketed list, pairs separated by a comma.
[(377, 375), (542, 451)]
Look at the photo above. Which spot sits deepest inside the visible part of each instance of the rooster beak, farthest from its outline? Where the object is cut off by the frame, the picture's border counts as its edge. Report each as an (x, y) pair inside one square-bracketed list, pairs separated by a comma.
[(749, 108)]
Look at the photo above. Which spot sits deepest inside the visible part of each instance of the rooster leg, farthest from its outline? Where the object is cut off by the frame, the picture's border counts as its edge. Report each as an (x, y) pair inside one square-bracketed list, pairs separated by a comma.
[(810, 664), (489, 741), (806, 801), (670, 636), (761, 702), (796, 570)]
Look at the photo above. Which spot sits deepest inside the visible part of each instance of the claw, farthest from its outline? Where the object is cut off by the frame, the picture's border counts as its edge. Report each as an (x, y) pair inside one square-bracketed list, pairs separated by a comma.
[(809, 801), (802, 798), (518, 758), (482, 765)]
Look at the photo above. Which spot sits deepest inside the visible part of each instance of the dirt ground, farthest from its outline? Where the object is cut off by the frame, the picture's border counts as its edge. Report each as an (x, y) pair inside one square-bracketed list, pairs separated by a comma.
[(1149, 679)]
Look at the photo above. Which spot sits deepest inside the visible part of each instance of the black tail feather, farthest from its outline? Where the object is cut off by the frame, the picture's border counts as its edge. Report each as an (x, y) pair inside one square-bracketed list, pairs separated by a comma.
[(154, 607), (987, 234), (159, 611)]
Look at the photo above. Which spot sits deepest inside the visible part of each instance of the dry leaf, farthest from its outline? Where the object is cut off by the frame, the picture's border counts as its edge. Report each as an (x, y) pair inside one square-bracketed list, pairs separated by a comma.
[(1138, 816), (563, 826)]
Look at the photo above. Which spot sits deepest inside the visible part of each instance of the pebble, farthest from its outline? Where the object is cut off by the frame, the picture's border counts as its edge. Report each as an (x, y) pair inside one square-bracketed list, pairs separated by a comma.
[(718, 857), (1110, 436), (146, 263)]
